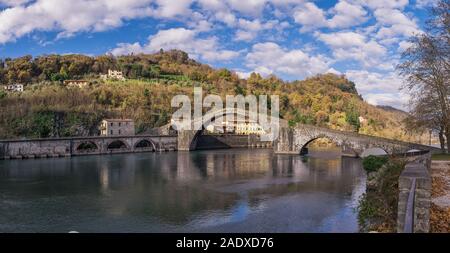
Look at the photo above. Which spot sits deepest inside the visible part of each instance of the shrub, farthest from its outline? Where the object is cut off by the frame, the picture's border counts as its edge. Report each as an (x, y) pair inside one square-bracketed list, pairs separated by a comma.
[(373, 163), (2, 94), (377, 209)]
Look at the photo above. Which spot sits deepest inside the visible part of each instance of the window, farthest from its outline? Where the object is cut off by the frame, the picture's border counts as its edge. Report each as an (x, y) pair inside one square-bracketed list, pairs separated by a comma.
[(112, 132), (119, 130), (111, 124), (120, 124)]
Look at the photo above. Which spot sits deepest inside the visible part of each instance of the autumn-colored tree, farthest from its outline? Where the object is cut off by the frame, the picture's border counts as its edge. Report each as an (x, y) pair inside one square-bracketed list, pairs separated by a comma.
[(425, 65)]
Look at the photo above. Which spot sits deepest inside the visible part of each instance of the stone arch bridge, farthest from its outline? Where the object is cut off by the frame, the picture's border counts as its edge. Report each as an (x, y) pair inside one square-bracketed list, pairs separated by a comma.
[(59, 147), (290, 141), (294, 140)]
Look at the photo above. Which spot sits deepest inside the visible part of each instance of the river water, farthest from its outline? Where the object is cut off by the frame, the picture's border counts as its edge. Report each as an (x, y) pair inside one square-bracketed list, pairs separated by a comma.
[(236, 190)]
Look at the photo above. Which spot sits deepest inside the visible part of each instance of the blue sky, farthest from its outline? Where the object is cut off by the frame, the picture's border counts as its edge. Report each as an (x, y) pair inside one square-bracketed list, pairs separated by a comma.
[(293, 39)]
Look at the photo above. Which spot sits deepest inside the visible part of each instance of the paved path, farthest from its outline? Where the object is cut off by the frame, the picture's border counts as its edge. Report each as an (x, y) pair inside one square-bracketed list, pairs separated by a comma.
[(440, 197)]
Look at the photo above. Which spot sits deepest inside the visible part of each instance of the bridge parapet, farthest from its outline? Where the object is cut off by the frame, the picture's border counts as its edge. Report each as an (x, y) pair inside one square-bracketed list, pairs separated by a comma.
[(415, 196)]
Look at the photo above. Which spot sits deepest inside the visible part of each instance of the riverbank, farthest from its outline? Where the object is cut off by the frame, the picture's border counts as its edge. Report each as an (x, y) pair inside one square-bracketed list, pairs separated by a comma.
[(440, 197), (377, 210)]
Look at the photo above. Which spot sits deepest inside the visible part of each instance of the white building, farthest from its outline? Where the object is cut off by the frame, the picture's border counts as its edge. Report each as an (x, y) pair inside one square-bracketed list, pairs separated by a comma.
[(76, 83), (114, 75), (248, 128), (14, 87), (245, 127), (362, 120)]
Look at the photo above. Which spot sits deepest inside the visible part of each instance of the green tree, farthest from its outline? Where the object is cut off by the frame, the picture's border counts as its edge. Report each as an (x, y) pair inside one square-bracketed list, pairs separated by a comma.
[(352, 116)]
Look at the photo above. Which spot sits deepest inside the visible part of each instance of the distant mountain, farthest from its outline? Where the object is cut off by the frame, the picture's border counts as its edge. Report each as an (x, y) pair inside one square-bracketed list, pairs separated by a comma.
[(391, 109)]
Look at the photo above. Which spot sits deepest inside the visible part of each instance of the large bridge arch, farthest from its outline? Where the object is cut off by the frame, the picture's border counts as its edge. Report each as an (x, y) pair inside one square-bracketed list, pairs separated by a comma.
[(373, 151), (345, 147), (187, 139)]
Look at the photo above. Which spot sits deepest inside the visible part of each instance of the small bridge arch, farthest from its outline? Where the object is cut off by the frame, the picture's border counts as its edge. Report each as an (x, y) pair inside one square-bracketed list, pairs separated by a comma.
[(85, 147), (145, 144), (117, 144)]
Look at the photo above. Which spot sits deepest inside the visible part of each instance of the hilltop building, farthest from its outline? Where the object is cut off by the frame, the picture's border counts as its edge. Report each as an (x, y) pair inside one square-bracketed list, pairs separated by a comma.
[(362, 120), (114, 75), (76, 83), (14, 87), (116, 127)]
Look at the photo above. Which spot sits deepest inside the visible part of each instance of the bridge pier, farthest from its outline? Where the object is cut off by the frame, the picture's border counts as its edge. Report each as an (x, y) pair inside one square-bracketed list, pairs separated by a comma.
[(285, 142), (187, 140)]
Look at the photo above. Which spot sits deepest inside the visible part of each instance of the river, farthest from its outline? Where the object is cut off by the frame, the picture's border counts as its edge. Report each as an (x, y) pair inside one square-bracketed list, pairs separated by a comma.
[(235, 190)]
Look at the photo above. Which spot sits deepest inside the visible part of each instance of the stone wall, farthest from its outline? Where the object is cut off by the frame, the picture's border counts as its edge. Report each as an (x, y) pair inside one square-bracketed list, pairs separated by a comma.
[(415, 196)]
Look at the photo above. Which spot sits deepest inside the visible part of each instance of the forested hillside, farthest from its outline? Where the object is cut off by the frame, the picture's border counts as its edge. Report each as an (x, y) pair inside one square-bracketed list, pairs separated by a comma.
[(47, 108)]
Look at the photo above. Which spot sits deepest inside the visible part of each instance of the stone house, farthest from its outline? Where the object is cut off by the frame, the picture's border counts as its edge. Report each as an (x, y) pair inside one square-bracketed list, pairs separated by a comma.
[(116, 127), (76, 83), (113, 74), (14, 87)]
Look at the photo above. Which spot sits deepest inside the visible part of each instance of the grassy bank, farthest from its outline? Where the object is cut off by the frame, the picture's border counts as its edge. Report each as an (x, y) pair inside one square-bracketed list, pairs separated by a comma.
[(377, 210), (440, 157)]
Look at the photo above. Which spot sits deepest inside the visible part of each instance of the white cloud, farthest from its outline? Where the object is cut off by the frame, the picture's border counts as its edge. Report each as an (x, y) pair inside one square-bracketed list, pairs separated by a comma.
[(249, 7), (310, 16), (354, 46), (404, 45), (367, 82), (243, 74), (13, 2), (268, 58), (375, 4), (334, 71), (379, 88), (347, 15), (128, 48), (183, 39), (342, 39), (399, 101), (394, 23), (387, 16), (425, 3), (249, 29), (242, 35), (213, 4), (69, 17), (172, 8)]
